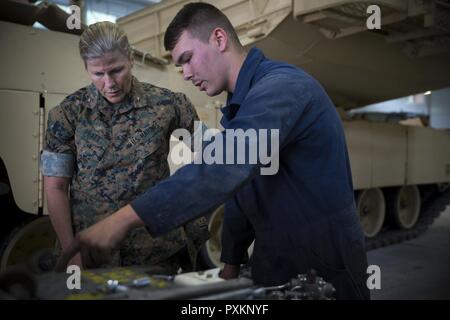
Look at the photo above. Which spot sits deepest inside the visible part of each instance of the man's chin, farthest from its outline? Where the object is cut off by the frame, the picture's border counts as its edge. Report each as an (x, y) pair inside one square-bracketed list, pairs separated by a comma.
[(213, 93)]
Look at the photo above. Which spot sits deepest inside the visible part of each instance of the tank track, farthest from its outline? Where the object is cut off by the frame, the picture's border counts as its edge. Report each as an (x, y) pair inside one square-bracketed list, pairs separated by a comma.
[(433, 203)]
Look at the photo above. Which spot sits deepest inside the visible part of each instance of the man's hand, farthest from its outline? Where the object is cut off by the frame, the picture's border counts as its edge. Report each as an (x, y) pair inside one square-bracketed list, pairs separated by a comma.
[(229, 271), (97, 243)]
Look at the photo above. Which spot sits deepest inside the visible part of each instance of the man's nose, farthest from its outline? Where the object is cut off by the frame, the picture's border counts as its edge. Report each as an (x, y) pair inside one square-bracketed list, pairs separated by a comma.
[(187, 74)]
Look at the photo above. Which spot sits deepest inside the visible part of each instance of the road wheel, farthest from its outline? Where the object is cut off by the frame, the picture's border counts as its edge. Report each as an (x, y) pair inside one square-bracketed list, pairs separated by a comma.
[(30, 244), (371, 208), (403, 206)]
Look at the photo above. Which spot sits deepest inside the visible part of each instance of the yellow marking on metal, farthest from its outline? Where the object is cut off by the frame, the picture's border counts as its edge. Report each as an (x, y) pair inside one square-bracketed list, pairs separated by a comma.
[(120, 274), (93, 277), (159, 283)]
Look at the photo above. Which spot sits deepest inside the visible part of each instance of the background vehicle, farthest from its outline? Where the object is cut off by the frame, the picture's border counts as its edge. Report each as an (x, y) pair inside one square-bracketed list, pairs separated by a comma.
[(401, 173)]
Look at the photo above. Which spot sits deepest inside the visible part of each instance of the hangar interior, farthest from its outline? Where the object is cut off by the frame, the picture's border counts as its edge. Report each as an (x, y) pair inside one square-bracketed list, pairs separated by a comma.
[(390, 84)]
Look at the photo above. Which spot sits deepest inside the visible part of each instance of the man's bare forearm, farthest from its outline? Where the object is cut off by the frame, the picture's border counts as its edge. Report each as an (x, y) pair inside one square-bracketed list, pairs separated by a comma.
[(128, 218)]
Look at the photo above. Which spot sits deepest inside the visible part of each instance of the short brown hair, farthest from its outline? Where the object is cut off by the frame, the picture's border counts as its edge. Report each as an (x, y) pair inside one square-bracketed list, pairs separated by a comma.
[(200, 19)]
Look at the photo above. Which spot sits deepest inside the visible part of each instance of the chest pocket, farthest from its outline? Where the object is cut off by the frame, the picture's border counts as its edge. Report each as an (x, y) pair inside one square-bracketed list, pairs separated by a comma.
[(91, 147), (146, 143)]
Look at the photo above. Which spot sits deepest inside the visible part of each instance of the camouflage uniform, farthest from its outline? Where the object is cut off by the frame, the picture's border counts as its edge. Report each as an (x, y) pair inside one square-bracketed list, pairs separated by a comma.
[(117, 153)]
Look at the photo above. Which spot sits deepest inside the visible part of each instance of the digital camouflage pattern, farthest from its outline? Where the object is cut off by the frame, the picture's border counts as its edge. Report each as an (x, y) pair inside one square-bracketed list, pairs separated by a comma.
[(121, 150)]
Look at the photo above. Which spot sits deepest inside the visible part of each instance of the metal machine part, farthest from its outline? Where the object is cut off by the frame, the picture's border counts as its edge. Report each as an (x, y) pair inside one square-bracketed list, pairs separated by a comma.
[(304, 287), (135, 283)]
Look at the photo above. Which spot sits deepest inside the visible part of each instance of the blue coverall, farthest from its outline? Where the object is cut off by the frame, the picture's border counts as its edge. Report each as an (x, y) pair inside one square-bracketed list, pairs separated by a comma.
[(302, 217)]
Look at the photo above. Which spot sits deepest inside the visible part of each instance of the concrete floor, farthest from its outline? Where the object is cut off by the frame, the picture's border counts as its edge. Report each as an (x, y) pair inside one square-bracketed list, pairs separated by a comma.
[(416, 269)]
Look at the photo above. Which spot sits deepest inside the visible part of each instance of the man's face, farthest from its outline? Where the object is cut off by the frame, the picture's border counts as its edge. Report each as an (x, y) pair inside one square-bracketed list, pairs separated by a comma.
[(201, 62), (111, 75)]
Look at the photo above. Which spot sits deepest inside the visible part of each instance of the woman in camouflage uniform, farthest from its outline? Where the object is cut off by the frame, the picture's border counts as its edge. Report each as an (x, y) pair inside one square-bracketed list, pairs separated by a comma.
[(109, 141)]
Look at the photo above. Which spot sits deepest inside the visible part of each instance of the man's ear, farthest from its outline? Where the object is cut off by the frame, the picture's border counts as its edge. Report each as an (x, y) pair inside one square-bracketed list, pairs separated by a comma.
[(220, 38)]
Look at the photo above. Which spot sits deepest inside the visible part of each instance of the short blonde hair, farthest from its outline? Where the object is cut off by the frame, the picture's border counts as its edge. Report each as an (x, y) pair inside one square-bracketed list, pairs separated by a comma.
[(101, 38)]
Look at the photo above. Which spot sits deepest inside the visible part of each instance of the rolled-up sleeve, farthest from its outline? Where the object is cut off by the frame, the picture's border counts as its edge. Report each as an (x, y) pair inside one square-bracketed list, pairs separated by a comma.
[(57, 164)]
